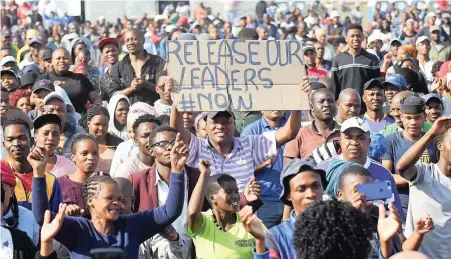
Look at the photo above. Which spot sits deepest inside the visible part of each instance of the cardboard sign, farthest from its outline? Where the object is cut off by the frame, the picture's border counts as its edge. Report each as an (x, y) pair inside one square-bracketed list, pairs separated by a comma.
[(238, 75)]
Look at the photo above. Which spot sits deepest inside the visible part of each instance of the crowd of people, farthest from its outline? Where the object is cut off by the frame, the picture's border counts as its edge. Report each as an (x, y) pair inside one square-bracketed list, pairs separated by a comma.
[(95, 153)]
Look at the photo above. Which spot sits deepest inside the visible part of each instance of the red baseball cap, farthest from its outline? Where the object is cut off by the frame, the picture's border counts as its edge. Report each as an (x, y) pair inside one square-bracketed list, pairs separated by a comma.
[(108, 40), (7, 174), (182, 21)]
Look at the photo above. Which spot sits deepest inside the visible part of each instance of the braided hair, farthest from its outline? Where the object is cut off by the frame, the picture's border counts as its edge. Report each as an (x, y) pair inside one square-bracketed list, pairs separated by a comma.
[(95, 110), (93, 186)]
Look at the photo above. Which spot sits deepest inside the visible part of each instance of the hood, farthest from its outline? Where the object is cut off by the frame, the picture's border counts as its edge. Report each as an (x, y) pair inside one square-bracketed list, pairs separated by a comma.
[(66, 41), (74, 44), (61, 92), (111, 109)]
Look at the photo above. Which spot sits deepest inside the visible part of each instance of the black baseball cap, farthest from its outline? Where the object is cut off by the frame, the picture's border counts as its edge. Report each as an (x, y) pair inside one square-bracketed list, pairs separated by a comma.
[(413, 105), (212, 115), (46, 119), (28, 78), (43, 84), (372, 83), (47, 54)]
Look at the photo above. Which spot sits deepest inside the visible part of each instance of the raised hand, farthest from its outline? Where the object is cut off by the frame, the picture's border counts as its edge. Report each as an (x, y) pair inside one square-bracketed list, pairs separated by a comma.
[(204, 167), (424, 225), (387, 227), (387, 57), (51, 227), (250, 223), (179, 154), (74, 210), (252, 190), (38, 159), (436, 84), (358, 200), (305, 85), (440, 126)]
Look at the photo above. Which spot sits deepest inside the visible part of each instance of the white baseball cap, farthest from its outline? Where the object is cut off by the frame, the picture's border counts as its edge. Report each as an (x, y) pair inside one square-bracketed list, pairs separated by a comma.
[(7, 59), (169, 28), (355, 122), (372, 38), (431, 14), (410, 21), (53, 95), (334, 14), (421, 39)]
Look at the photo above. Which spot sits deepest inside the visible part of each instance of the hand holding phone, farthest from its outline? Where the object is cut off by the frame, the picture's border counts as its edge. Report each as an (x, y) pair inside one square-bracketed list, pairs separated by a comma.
[(376, 190)]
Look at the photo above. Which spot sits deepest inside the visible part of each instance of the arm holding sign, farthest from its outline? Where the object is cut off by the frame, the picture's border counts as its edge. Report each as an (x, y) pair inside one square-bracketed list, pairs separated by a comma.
[(291, 128), (176, 122)]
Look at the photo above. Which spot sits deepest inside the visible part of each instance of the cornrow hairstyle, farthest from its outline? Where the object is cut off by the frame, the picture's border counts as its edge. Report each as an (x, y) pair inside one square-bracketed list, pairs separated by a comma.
[(79, 137), (144, 119), (15, 121), (215, 183), (15, 96), (92, 112), (332, 229), (92, 187), (159, 129)]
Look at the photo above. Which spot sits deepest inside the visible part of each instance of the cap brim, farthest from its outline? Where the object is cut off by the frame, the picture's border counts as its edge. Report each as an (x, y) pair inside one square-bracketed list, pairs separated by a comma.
[(434, 98), (343, 129), (212, 115), (46, 119)]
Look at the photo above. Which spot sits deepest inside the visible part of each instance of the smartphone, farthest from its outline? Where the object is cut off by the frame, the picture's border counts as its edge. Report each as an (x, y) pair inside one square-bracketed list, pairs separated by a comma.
[(376, 190), (107, 253)]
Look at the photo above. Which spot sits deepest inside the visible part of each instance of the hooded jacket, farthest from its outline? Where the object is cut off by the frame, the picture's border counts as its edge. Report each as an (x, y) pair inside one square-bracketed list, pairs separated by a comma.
[(111, 110)]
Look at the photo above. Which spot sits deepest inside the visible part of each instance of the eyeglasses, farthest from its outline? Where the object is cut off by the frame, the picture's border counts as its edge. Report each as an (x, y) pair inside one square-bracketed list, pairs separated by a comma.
[(163, 144)]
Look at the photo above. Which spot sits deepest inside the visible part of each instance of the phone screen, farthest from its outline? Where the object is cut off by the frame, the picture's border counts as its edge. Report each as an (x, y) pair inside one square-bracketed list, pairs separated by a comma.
[(376, 190)]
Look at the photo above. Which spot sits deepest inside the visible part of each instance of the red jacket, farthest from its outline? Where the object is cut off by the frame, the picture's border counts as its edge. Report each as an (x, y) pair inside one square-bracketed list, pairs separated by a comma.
[(146, 194)]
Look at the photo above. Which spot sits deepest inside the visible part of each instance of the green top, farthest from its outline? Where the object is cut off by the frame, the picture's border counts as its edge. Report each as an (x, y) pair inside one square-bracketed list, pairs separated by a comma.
[(242, 120), (392, 128)]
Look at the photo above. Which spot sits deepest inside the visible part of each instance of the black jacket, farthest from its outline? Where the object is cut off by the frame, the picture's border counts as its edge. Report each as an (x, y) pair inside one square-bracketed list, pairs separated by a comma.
[(354, 72), (23, 246), (122, 74)]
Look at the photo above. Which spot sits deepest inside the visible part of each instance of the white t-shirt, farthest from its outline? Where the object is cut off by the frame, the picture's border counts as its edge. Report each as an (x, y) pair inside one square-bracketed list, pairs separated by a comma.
[(6, 244), (430, 194), (130, 166)]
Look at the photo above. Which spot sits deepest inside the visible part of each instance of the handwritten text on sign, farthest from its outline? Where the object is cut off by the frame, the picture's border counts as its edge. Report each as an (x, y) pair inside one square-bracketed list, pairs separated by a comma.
[(236, 74)]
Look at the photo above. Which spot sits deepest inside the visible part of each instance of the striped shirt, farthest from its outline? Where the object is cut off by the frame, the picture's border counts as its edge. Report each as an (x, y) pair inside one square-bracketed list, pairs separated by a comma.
[(248, 152)]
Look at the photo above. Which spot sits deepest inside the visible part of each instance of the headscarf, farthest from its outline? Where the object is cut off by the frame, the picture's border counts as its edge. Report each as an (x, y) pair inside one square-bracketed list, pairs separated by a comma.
[(74, 44), (112, 110), (7, 174), (333, 173)]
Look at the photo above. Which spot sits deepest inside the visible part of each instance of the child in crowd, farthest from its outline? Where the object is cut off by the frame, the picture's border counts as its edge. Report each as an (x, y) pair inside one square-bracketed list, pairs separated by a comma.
[(164, 89), (21, 99)]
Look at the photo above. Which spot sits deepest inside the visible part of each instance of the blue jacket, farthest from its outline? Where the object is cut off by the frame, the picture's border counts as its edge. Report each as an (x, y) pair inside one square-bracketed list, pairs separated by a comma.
[(279, 243)]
